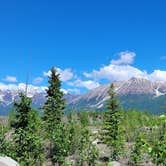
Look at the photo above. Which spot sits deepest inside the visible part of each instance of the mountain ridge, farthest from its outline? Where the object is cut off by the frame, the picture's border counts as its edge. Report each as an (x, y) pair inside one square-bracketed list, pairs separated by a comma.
[(127, 91), (96, 98)]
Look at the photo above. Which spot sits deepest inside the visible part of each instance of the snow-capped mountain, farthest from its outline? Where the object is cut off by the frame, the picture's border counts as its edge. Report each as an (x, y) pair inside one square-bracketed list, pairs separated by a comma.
[(135, 93), (8, 96), (134, 86)]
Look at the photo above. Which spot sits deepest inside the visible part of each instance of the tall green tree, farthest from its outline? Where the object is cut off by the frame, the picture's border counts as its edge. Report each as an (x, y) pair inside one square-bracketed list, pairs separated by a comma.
[(55, 104), (27, 144), (112, 134), (52, 117)]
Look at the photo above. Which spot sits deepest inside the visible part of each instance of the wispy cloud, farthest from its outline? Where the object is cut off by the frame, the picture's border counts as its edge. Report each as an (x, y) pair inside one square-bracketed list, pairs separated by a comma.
[(126, 57), (89, 84), (10, 79), (37, 80), (74, 91)]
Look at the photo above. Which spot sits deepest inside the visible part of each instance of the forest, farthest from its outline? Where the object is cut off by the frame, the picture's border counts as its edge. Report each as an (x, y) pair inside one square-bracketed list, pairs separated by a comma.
[(82, 138)]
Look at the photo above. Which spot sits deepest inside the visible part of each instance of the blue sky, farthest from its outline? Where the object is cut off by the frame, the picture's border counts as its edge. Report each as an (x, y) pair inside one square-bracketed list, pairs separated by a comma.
[(91, 41)]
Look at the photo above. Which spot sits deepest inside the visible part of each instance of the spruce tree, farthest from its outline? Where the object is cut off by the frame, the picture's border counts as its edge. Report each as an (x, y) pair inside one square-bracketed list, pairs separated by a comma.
[(112, 133), (27, 144), (55, 104), (52, 117)]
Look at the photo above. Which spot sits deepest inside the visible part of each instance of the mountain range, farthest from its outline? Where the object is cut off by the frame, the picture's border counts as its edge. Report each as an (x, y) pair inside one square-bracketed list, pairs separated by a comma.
[(136, 93)]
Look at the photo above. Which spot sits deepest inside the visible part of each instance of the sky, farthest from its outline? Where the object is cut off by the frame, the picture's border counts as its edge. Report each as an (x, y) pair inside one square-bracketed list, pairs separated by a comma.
[(90, 42)]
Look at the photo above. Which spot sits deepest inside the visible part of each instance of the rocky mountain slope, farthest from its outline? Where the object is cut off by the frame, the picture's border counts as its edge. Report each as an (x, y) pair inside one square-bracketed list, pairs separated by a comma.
[(135, 93)]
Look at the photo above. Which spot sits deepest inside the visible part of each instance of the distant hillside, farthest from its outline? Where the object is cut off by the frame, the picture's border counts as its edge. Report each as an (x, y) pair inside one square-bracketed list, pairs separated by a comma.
[(135, 93)]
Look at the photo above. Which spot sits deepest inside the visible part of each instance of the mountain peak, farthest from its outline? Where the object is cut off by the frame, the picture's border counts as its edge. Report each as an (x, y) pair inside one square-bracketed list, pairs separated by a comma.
[(94, 98), (133, 87)]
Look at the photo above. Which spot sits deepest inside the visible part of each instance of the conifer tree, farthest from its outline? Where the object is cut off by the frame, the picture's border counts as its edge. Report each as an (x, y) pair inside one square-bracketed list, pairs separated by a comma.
[(27, 148), (112, 133), (52, 117), (4, 143), (55, 104)]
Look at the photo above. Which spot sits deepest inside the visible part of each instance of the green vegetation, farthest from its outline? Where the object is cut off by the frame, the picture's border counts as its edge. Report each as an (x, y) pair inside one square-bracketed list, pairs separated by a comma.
[(143, 103), (112, 134), (87, 153), (90, 138), (52, 119), (136, 157), (158, 150), (4, 143), (27, 143)]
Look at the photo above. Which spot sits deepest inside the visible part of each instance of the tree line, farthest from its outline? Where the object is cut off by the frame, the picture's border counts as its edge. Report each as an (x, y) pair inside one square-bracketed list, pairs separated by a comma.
[(56, 139)]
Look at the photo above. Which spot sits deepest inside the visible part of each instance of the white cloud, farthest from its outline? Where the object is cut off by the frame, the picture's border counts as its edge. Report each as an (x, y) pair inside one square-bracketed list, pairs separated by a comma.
[(158, 75), (120, 70), (47, 74), (84, 84), (31, 88), (37, 80), (74, 91), (22, 87), (126, 57), (65, 74), (116, 73), (10, 79), (64, 91), (8, 86)]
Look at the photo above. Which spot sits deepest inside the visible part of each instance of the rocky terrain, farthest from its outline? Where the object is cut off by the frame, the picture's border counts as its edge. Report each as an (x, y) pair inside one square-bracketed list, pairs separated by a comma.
[(140, 93)]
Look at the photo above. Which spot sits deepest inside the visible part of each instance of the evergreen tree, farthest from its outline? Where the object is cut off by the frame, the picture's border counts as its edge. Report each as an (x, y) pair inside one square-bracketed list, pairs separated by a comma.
[(52, 117), (27, 145), (4, 143), (112, 133), (55, 104)]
